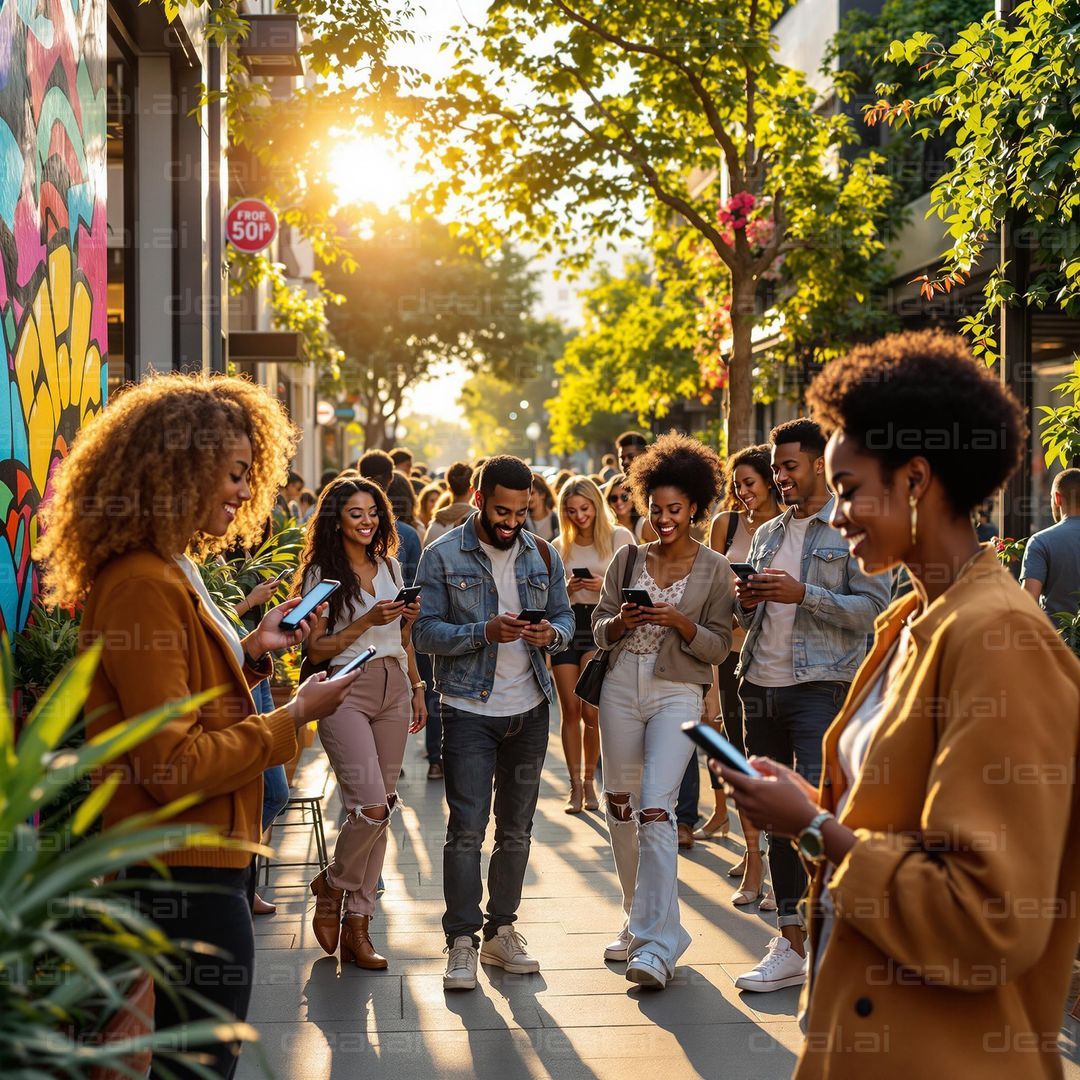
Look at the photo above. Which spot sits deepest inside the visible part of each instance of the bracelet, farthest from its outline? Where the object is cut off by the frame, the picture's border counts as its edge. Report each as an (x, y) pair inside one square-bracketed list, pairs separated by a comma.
[(256, 662), (419, 685)]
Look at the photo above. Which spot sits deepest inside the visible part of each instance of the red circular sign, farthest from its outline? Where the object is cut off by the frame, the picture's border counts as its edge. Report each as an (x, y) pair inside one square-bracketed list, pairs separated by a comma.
[(250, 225)]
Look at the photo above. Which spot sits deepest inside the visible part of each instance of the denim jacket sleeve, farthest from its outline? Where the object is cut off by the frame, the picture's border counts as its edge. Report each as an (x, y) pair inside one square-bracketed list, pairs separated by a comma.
[(433, 632), (559, 612), (746, 616), (855, 610)]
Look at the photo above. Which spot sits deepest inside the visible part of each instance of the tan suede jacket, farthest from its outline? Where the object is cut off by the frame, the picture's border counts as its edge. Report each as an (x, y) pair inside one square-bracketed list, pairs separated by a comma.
[(708, 601), (160, 645)]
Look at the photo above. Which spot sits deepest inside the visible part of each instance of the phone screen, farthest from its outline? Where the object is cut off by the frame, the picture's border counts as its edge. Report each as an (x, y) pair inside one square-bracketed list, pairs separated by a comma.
[(354, 663), (715, 745), (309, 602)]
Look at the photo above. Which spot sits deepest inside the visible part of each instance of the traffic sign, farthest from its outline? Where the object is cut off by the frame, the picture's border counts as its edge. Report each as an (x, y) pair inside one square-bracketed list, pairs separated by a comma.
[(324, 413), (250, 226)]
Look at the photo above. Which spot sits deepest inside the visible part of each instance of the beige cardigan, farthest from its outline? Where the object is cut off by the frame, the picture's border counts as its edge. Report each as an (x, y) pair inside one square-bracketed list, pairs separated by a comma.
[(708, 601)]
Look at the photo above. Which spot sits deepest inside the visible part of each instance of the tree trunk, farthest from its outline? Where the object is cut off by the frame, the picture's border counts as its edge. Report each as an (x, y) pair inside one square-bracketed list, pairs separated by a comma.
[(740, 395)]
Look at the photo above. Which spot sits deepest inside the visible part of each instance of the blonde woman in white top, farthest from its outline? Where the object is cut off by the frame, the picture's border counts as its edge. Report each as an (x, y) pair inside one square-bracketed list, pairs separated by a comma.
[(588, 539), (353, 541)]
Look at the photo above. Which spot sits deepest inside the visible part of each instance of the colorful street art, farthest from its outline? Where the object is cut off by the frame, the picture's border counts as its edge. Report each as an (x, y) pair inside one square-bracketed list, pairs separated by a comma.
[(52, 260)]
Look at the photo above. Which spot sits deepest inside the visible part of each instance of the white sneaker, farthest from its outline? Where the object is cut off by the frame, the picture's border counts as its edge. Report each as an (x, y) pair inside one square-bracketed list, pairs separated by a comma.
[(619, 949), (507, 950), (781, 966), (460, 965), (647, 970)]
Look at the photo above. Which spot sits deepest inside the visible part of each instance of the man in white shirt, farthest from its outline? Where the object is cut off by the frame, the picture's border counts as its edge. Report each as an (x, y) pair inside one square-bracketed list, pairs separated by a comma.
[(490, 671)]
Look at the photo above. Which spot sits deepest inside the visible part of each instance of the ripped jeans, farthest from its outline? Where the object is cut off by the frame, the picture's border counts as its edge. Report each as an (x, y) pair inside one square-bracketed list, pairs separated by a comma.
[(365, 742), (645, 756)]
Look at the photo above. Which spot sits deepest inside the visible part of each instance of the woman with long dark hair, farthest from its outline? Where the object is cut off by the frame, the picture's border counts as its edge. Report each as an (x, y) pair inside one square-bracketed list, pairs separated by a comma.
[(353, 540), (750, 499)]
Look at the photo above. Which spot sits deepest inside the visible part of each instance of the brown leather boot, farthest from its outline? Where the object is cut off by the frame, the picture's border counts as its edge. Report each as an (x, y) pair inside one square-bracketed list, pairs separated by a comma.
[(356, 947), (326, 922)]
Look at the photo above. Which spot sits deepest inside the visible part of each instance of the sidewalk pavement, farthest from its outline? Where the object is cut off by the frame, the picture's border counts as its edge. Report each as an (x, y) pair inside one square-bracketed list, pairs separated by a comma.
[(577, 1020)]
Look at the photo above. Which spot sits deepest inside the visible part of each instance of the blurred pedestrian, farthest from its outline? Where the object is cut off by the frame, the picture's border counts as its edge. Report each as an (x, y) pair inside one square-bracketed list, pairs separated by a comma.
[(588, 539), (458, 507), (1051, 567), (543, 520)]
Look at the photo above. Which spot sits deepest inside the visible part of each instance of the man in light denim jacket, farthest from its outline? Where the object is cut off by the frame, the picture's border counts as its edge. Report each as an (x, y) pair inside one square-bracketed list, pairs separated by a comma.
[(495, 692), (808, 613)]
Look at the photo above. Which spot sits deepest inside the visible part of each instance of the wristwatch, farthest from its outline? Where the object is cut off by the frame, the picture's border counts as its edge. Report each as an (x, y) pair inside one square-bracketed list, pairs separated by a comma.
[(811, 841)]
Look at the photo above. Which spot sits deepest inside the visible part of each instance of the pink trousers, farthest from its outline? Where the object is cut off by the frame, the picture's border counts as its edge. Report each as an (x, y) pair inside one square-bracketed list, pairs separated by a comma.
[(365, 742)]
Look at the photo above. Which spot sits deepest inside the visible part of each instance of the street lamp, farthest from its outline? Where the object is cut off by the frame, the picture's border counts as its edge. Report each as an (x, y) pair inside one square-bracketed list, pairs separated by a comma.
[(533, 433)]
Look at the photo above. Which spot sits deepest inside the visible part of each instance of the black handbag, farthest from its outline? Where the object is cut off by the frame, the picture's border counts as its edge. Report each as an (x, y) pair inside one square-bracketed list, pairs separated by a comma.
[(591, 680)]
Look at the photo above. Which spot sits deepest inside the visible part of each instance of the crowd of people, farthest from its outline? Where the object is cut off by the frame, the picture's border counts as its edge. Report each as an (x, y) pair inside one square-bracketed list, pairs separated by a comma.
[(822, 600)]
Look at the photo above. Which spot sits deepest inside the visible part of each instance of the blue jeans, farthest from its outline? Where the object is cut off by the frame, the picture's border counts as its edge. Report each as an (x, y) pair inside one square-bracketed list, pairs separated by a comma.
[(787, 724), (433, 729), (480, 753), (275, 786)]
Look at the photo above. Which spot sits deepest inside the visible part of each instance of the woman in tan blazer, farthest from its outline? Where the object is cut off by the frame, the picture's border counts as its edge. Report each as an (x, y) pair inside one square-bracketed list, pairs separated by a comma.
[(175, 466), (944, 903)]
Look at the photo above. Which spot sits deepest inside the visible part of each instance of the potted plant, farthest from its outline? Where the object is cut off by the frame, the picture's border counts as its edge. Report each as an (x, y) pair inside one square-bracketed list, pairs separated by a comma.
[(79, 961)]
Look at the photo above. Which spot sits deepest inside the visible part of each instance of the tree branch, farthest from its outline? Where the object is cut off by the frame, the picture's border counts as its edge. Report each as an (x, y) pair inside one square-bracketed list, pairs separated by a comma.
[(750, 148), (638, 158), (712, 114)]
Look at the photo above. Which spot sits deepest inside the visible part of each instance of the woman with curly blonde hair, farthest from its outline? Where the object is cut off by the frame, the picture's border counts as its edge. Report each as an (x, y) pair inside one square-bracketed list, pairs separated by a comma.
[(175, 466)]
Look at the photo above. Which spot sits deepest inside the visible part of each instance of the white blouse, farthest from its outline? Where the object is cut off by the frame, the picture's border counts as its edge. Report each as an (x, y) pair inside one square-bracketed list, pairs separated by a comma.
[(386, 639), (646, 639)]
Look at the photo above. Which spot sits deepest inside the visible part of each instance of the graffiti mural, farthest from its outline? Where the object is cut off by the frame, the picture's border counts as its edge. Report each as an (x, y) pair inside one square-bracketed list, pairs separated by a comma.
[(52, 260)]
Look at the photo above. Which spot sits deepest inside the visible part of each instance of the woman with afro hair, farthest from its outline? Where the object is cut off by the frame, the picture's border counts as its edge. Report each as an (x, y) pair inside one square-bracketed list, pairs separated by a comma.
[(178, 466), (943, 922), (659, 664)]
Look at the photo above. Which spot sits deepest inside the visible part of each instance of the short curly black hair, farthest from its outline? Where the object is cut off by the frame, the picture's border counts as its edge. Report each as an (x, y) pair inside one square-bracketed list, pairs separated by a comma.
[(678, 461), (922, 394)]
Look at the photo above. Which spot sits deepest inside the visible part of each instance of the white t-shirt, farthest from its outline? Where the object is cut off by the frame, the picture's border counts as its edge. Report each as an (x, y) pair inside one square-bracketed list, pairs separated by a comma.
[(515, 689), (228, 630), (386, 639), (591, 559), (772, 661)]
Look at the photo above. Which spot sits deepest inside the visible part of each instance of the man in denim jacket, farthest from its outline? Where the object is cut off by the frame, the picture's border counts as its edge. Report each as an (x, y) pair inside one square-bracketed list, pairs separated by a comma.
[(495, 693), (808, 613)]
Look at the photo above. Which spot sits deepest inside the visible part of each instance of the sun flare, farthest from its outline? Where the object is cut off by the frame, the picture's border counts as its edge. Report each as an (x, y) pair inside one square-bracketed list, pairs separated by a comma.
[(366, 169)]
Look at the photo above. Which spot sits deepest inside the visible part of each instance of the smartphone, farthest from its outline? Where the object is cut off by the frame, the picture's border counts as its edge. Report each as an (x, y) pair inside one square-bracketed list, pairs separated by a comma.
[(581, 571), (533, 615), (408, 595), (309, 602), (743, 570), (640, 597), (715, 745), (354, 663)]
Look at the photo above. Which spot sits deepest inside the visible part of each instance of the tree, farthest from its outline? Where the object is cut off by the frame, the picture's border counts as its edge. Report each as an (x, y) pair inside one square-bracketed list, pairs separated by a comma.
[(630, 362), (1005, 92), (571, 126), (415, 303), (499, 409)]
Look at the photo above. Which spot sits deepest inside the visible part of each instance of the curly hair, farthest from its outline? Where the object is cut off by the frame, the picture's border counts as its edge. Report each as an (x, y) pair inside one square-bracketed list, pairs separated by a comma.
[(757, 458), (678, 461), (144, 473), (922, 394), (324, 552)]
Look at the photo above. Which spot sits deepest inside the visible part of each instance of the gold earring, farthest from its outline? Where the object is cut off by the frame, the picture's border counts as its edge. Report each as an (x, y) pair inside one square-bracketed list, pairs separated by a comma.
[(914, 504)]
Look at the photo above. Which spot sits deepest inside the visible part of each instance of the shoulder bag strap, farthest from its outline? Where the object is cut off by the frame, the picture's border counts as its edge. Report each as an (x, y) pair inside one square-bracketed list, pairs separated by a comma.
[(733, 524), (545, 552)]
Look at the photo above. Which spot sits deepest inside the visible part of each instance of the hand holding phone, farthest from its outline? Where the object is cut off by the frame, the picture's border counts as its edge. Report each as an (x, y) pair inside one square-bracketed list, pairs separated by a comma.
[(743, 570), (408, 595), (356, 662), (716, 746), (532, 615), (638, 597), (582, 572), (308, 603)]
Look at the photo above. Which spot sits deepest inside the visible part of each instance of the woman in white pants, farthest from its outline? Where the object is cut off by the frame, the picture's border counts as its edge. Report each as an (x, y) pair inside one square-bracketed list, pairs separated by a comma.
[(660, 662)]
